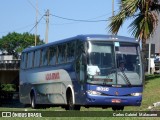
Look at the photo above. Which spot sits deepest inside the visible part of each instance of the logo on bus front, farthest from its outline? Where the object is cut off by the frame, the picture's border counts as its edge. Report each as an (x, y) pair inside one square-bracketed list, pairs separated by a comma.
[(52, 76), (102, 89)]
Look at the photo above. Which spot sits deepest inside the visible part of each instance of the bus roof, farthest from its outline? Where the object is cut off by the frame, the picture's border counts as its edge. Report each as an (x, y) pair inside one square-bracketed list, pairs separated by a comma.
[(89, 37)]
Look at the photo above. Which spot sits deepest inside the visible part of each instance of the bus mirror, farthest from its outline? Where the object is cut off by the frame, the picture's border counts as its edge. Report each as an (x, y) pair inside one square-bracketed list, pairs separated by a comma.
[(117, 48)]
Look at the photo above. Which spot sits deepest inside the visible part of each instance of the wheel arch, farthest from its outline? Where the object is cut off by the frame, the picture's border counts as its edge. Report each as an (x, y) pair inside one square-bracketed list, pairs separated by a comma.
[(32, 92)]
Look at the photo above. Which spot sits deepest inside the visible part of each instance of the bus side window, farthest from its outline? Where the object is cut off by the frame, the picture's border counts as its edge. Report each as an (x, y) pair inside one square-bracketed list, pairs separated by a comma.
[(61, 54), (33, 59), (26, 60), (79, 48), (37, 58), (23, 60), (40, 64), (44, 57), (30, 60), (52, 55), (70, 51), (64, 53)]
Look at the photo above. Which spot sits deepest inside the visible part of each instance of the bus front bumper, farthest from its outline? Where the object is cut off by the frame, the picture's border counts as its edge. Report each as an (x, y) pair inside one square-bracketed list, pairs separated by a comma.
[(113, 100)]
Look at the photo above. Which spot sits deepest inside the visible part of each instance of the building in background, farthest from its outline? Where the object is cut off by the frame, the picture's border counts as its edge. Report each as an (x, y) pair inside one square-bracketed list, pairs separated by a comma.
[(155, 40), (155, 49)]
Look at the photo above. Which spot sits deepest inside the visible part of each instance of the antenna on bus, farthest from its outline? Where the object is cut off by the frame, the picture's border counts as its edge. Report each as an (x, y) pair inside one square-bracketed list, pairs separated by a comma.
[(47, 26)]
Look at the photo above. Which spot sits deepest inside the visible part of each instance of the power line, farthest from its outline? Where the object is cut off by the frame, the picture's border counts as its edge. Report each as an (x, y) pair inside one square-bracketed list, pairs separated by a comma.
[(23, 27), (20, 28), (77, 20), (101, 16), (26, 26), (34, 7), (69, 19), (36, 23), (33, 27)]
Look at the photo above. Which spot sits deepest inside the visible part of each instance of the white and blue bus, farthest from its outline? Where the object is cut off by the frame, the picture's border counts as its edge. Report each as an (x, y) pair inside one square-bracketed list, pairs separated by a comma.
[(83, 71)]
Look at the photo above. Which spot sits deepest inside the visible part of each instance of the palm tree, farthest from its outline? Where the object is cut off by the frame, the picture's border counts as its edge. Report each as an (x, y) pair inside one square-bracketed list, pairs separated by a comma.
[(145, 18)]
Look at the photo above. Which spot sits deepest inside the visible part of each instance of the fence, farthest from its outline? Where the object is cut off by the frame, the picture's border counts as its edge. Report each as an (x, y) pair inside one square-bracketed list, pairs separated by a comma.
[(9, 64)]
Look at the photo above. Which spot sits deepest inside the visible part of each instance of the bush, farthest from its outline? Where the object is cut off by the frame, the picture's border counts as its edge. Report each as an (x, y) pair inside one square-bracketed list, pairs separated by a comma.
[(8, 87)]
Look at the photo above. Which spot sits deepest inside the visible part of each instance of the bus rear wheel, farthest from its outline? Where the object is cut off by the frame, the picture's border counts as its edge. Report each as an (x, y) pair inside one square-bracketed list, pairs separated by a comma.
[(70, 105)]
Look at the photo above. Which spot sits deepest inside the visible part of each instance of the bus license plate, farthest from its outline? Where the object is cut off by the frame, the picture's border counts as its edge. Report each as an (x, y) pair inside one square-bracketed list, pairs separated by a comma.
[(116, 101)]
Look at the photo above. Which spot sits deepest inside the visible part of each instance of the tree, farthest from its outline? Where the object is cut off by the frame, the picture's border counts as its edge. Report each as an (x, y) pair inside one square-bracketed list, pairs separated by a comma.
[(145, 18), (14, 43)]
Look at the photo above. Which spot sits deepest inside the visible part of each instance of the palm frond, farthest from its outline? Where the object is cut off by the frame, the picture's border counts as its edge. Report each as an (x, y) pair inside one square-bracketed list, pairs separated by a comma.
[(116, 22), (130, 7), (143, 26), (144, 14)]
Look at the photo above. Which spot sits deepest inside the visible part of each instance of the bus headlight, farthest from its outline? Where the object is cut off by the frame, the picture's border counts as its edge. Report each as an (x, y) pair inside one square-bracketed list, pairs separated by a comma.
[(91, 92), (136, 94)]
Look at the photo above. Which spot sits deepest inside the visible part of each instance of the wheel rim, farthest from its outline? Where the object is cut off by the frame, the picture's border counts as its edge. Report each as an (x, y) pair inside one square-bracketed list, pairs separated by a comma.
[(33, 102)]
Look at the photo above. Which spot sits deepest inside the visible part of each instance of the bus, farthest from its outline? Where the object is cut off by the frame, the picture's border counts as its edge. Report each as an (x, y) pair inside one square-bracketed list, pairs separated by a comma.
[(83, 71)]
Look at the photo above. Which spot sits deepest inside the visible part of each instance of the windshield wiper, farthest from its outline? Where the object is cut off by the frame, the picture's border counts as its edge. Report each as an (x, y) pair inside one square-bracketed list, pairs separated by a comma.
[(126, 78)]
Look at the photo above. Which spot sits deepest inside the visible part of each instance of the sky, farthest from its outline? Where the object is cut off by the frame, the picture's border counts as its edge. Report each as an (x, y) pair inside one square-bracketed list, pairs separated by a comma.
[(20, 16)]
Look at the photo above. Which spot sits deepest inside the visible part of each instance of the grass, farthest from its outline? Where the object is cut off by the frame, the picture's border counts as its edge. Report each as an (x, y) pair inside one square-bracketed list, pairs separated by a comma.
[(151, 95)]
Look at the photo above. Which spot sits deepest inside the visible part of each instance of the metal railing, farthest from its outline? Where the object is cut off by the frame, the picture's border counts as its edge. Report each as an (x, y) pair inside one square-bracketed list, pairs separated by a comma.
[(9, 64)]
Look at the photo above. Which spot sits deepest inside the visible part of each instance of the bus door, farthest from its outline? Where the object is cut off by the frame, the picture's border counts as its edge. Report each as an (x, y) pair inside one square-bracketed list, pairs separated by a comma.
[(81, 66)]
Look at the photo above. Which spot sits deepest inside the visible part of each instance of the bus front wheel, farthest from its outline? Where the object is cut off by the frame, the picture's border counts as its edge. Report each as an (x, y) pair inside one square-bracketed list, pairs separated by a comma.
[(33, 101), (70, 105), (117, 108)]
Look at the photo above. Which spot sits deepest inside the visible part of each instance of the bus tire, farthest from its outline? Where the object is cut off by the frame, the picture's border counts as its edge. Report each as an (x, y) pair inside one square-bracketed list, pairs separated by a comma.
[(33, 101), (114, 108), (121, 108), (70, 105)]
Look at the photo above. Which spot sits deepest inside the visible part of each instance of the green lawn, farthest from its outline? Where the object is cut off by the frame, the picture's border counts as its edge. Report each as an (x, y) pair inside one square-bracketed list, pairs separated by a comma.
[(151, 95)]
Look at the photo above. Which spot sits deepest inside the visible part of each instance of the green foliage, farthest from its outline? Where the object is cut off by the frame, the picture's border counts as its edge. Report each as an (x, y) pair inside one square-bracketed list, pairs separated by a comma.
[(144, 14), (8, 87), (14, 43)]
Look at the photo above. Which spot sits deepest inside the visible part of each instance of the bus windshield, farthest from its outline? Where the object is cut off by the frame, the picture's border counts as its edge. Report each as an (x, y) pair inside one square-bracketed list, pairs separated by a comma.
[(114, 63)]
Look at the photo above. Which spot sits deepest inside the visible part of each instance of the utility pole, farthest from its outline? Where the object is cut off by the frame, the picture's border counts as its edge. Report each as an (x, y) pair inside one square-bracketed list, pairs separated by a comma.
[(149, 57), (112, 7), (47, 26), (36, 23), (112, 12)]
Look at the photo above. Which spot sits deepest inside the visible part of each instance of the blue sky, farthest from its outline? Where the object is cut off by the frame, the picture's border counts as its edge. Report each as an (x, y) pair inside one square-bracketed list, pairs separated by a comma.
[(19, 16)]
